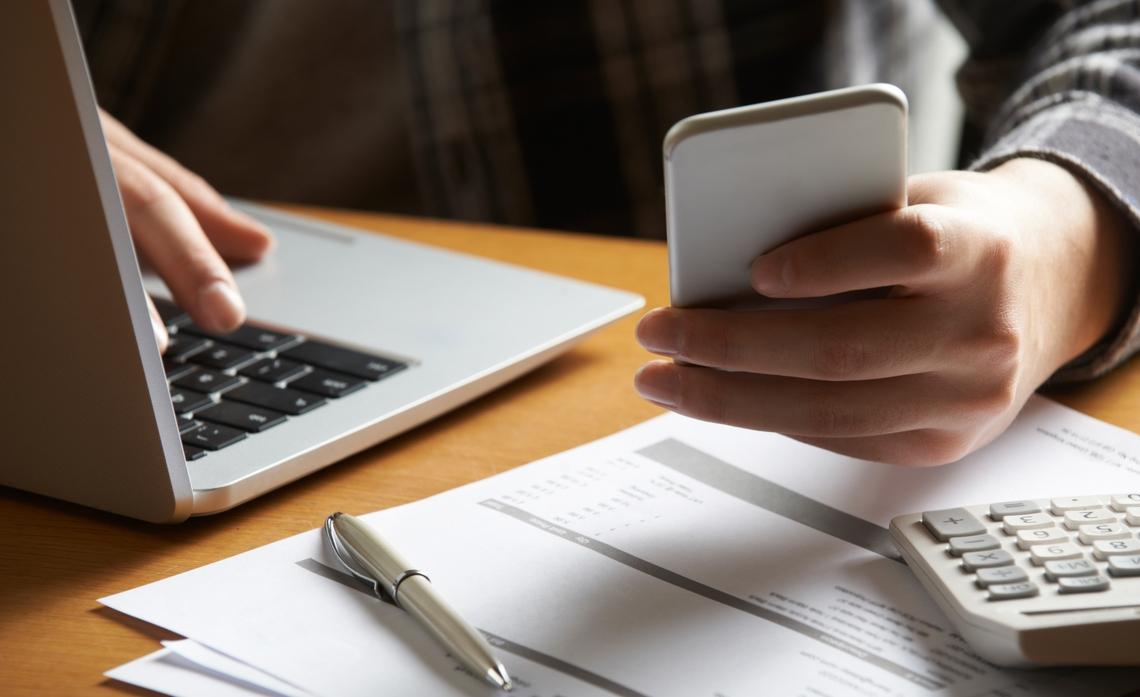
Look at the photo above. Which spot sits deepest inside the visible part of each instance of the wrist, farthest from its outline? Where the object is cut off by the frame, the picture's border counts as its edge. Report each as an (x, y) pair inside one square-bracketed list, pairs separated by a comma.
[(1084, 258)]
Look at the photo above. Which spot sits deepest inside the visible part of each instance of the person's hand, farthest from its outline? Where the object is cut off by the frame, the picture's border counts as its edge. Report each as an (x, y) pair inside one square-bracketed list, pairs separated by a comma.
[(996, 280), (184, 229)]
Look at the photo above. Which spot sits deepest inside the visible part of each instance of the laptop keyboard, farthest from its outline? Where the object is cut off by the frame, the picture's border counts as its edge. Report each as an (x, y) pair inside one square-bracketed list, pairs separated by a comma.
[(226, 387)]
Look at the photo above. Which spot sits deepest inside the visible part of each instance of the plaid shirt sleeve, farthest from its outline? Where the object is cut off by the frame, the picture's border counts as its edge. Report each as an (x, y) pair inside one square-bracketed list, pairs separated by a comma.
[(1060, 81)]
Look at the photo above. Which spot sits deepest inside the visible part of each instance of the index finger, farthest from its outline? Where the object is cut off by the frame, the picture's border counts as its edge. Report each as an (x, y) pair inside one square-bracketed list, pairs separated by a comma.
[(917, 245), (860, 340), (236, 236), (168, 235)]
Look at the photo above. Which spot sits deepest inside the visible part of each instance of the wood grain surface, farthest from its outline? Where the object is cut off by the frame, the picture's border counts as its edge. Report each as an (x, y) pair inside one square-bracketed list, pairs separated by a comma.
[(58, 558)]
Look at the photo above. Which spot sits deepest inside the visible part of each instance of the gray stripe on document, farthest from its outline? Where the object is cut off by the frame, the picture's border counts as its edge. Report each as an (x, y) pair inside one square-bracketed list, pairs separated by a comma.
[(770, 496), (561, 666), (714, 594), (532, 655)]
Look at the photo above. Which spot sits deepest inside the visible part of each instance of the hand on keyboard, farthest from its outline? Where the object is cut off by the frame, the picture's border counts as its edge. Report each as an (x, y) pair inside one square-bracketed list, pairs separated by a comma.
[(185, 229), (226, 385)]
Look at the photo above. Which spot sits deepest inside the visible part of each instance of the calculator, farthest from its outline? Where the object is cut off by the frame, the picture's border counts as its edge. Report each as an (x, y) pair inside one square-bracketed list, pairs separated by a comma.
[(1034, 583)]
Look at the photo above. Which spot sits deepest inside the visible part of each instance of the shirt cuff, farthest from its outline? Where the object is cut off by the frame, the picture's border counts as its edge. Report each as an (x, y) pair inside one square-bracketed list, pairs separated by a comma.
[(1099, 142)]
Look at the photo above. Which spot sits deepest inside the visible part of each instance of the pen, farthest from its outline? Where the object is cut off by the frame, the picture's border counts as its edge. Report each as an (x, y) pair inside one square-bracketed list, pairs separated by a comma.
[(371, 559)]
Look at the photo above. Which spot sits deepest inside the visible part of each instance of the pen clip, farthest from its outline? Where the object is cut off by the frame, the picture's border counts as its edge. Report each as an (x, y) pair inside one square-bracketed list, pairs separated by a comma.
[(345, 557)]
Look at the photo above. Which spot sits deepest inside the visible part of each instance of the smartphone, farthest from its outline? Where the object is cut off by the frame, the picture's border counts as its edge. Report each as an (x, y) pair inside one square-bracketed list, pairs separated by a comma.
[(740, 182)]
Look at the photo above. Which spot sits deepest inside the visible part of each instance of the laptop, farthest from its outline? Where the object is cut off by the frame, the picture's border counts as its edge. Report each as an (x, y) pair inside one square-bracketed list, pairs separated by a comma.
[(353, 337)]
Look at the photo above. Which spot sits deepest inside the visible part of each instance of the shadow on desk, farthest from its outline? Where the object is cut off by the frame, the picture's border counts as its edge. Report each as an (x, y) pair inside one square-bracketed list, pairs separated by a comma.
[(64, 548), (1114, 397)]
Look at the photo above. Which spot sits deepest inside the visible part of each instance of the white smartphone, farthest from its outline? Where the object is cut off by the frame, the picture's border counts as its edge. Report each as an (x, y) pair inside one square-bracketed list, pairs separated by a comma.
[(740, 182)]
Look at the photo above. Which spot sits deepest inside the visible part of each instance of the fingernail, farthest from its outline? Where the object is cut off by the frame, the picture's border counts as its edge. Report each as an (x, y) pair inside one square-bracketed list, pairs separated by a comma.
[(770, 276), (658, 382), (160, 335), (270, 240), (660, 332), (222, 306)]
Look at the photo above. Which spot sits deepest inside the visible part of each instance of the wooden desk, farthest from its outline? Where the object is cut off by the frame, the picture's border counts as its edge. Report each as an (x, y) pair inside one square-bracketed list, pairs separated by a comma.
[(58, 558)]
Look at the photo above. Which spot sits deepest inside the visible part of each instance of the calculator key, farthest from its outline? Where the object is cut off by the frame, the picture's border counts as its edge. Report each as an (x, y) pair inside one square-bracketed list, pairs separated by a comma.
[(273, 370), (1071, 567), (1132, 515), (975, 543), (1103, 549), (328, 383), (223, 356), (243, 416), (1043, 553), (212, 437), (1075, 519), (1041, 536), (1001, 574), (1104, 531), (972, 561), (186, 401), (281, 399), (1082, 584), (1124, 566), (1075, 503), (202, 380), (952, 522), (1122, 502), (1014, 523), (1011, 591), (343, 360), (1001, 510)]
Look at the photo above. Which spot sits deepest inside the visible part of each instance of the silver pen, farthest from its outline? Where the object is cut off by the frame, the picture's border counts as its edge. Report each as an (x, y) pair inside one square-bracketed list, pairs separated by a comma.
[(372, 560)]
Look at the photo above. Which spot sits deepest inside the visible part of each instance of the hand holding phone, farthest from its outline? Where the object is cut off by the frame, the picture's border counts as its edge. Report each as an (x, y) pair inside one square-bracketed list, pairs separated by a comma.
[(996, 279), (742, 181)]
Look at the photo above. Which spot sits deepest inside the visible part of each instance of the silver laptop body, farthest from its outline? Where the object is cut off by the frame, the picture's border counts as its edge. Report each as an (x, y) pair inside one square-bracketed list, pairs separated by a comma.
[(87, 415)]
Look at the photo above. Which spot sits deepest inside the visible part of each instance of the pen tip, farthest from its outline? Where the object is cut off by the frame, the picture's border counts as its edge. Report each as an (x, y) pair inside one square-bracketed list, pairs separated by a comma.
[(498, 676)]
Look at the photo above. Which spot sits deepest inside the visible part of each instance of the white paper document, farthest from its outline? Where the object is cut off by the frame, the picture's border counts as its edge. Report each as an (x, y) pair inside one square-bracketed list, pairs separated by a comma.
[(674, 558), (188, 669)]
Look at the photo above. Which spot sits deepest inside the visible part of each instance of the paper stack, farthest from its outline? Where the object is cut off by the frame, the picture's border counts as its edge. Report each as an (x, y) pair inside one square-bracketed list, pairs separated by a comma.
[(674, 558)]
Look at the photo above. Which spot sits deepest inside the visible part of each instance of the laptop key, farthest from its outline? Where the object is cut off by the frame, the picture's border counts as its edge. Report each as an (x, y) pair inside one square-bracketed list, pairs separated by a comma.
[(202, 380), (183, 345), (172, 315), (292, 402), (187, 424), (328, 383), (247, 335), (223, 356), (186, 401), (174, 369), (192, 453), (273, 370), (243, 416), (343, 360), (212, 436)]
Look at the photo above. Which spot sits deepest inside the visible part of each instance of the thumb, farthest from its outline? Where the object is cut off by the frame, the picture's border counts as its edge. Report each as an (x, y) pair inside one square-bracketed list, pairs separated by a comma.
[(160, 335)]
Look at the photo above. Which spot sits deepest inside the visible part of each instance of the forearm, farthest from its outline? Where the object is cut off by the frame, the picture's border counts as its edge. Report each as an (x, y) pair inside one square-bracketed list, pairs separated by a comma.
[(1061, 82)]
